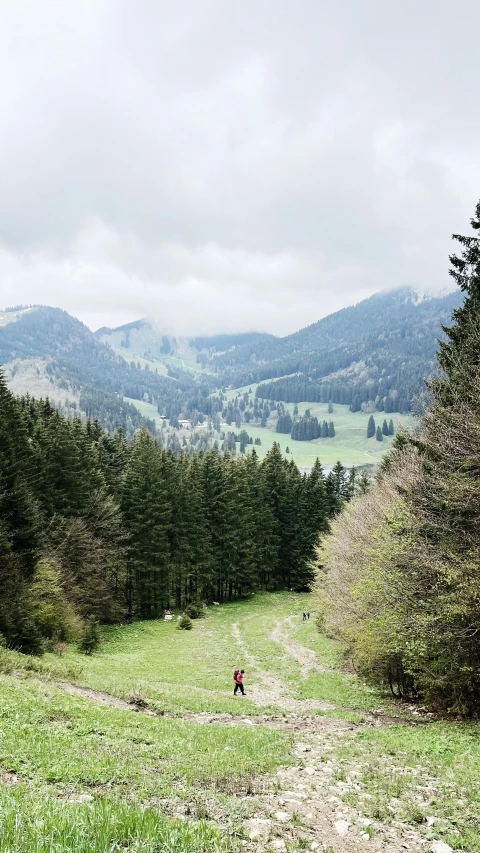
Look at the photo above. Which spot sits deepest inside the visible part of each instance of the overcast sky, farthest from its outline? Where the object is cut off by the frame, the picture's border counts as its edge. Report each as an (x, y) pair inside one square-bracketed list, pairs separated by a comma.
[(223, 165)]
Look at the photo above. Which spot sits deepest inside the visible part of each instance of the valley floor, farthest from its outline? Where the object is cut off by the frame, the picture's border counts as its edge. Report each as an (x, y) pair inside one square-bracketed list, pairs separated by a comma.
[(143, 747)]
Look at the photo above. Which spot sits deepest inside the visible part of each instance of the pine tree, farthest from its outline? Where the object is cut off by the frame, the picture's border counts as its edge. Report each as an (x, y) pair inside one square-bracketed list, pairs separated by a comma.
[(379, 434), (337, 488), (391, 428), (330, 407), (331, 430), (363, 482), (371, 427), (147, 516), (385, 428)]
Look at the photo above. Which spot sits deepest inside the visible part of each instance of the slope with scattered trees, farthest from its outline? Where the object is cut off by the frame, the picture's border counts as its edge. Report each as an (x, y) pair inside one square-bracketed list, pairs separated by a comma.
[(399, 577)]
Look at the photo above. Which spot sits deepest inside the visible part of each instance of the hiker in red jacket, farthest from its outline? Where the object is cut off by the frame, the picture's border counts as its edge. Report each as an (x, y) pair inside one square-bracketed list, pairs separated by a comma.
[(238, 678)]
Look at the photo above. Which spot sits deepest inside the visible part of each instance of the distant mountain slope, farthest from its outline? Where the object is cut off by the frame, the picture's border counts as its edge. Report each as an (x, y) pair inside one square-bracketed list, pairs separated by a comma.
[(87, 371), (372, 355), (145, 339), (383, 347)]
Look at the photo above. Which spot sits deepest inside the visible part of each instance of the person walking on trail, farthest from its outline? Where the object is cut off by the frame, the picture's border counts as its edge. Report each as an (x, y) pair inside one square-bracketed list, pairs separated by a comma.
[(238, 677), (308, 614), (304, 617)]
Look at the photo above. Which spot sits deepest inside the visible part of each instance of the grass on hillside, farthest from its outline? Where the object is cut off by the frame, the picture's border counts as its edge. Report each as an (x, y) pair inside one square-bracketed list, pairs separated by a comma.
[(178, 671), (147, 410), (129, 356), (34, 822), (350, 443), (49, 736), (78, 776)]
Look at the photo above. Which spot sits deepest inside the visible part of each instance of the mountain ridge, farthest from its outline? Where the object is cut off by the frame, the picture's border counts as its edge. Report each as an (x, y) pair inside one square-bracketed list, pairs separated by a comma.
[(377, 352)]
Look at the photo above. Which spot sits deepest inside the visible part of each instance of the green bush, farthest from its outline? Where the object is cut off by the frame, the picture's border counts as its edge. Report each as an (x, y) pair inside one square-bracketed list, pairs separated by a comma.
[(91, 636), (185, 623), (195, 610)]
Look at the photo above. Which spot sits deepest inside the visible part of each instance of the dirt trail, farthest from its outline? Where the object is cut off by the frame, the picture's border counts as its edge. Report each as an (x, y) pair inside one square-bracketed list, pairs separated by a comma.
[(305, 657), (270, 690), (302, 806), (104, 698)]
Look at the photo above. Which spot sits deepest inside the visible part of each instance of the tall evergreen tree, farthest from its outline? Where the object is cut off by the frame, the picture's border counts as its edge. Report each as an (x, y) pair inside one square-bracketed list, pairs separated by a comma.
[(371, 427), (147, 517)]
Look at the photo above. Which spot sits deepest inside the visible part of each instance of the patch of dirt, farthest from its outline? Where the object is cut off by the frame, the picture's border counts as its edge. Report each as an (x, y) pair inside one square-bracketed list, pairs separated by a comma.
[(293, 722), (104, 698), (9, 779)]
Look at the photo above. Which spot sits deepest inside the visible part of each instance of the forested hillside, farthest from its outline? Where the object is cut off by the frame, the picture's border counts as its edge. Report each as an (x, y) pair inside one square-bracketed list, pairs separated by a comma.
[(380, 350), (400, 576), (76, 360), (93, 525), (373, 356)]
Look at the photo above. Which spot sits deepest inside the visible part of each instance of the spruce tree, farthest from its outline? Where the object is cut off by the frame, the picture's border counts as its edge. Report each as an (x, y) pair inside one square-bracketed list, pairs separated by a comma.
[(379, 434), (147, 513), (371, 427), (363, 482), (391, 428), (385, 427)]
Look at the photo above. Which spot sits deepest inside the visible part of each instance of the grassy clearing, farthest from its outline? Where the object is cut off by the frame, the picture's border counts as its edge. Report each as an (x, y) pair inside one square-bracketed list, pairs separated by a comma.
[(57, 750), (154, 365), (179, 671), (411, 773), (146, 410), (350, 444), (174, 671)]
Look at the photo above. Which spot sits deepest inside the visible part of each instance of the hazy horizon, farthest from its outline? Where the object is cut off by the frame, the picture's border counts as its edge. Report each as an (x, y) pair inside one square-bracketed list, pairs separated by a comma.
[(168, 329)]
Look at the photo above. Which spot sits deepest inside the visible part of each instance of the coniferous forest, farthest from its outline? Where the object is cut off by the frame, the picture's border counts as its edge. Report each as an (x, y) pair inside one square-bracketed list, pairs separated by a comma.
[(92, 525)]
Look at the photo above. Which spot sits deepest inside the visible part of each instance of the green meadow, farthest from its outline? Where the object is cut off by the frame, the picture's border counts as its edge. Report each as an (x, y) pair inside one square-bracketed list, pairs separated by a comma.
[(350, 444), (77, 775)]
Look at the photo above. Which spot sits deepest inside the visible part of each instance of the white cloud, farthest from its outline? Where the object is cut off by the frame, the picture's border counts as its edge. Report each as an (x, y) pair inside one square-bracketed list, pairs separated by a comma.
[(232, 166)]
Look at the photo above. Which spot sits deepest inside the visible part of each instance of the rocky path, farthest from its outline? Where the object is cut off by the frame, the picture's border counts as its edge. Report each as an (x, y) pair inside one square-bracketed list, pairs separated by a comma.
[(305, 809), (303, 806)]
